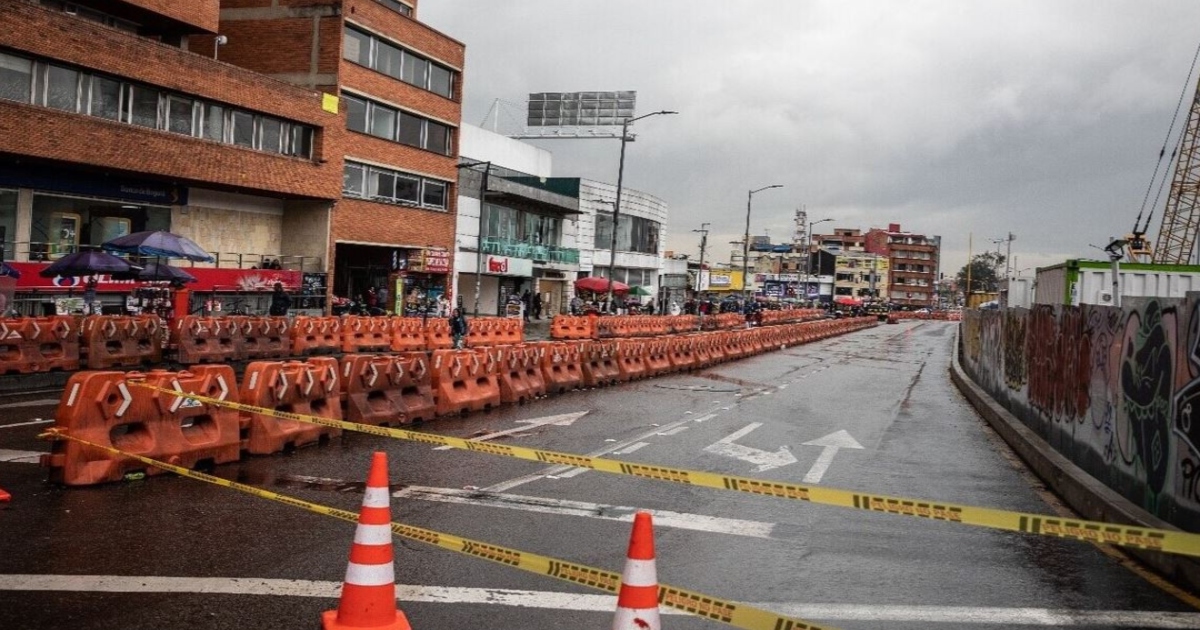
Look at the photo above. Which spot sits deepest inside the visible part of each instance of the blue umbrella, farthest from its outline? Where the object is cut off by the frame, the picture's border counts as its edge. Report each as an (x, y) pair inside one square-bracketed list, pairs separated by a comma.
[(159, 244), (86, 263), (7, 270), (156, 271)]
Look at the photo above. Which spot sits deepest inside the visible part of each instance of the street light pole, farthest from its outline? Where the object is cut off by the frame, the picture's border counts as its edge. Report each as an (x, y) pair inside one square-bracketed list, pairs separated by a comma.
[(808, 256), (746, 241), (612, 256), (483, 186), (700, 273)]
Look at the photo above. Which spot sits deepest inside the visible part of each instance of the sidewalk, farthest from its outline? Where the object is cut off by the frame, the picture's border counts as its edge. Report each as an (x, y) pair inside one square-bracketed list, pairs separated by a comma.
[(538, 329)]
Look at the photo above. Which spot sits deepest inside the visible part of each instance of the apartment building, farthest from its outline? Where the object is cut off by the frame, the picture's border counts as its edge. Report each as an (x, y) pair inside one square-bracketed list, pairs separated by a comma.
[(115, 118), (396, 85), (914, 261)]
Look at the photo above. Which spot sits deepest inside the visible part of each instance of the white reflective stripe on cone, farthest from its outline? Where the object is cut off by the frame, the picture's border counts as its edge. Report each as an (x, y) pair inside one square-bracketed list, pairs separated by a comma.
[(374, 535), (370, 574), (375, 497), (639, 573), (630, 619)]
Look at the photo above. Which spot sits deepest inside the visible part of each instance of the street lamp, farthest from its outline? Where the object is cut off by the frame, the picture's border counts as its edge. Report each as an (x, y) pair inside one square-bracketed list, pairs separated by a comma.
[(746, 241), (612, 256), (700, 273), (483, 185), (808, 257)]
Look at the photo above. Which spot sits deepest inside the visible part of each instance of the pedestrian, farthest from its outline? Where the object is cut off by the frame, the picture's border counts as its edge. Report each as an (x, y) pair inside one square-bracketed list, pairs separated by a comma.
[(650, 307), (381, 296), (280, 302), (458, 328), (537, 305), (527, 303), (443, 305), (576, 305)]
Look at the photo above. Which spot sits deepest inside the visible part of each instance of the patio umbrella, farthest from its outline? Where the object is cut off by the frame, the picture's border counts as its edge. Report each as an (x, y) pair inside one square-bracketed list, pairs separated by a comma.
[(159, 244), (596, 284), (639, 291), (7, 270), (156, 271), (87, 263)]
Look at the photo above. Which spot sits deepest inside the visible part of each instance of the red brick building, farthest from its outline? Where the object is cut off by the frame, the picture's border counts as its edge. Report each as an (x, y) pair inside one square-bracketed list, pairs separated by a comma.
[(399, 87), (914, 260), (322, 134)]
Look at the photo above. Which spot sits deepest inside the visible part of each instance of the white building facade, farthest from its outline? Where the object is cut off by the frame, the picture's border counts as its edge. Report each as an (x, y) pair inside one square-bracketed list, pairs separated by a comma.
[(641, 236)]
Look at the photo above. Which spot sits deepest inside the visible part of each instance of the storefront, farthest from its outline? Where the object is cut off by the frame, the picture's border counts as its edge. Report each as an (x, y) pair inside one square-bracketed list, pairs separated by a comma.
[(501, 278), (394, 279)]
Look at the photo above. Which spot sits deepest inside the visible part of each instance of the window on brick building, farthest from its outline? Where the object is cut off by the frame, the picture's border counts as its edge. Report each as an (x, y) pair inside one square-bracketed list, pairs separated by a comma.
[(398, 126), (408, 189), (301, 144), (389, 186), (383, 122), (441, 81), (243, 128), (212, 123), (389, 60), (270, 133), (352, 179), (179, 114), (413, 68), (397, 6), (143, 107), (105, 98), (356, 46), (16, 78), (61, 90), (435, 194), (356, 114)]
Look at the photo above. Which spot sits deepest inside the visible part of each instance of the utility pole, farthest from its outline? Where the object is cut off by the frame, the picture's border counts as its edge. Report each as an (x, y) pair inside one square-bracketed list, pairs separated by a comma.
[(700, 273)]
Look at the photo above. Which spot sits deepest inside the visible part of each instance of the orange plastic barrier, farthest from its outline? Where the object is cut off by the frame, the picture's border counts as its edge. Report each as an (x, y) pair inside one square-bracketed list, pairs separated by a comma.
[(656, 359), (316, 335), (370, 383), (481, 332), (600, 364), (407, 334), (465, 380), (520, 373), (109, 341), (681, 353), (203, 340), (366, 334), (39, 344), (573, 327), (310, 388), (561, 366), (437, 335), (509, 330), (109, 409), (631, 359), (260, 337)]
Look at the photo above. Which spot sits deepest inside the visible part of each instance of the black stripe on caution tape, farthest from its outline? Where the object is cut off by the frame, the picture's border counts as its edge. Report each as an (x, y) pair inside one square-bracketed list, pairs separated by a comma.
[(1168, 541), (733, 614)]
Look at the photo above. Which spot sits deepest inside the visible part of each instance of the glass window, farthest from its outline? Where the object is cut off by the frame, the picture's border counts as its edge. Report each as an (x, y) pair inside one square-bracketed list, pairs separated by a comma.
[(16, 78), (179, 115), (603, 231), (397, 6), (415, 70), (62, 88), (388, 59), (407, 189), (356, 47), (411, 129), (383, 122), (437, 138), (356, 114), (435, 194), (270, 134), (441, 81), (106, 98), (143, 109), (301, 141), (352, 179), (243, 129), (381, 185), (213, 123)]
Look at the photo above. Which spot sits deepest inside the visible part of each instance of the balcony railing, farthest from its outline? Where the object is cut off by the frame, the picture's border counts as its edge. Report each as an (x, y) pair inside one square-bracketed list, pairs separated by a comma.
[(540, 253)]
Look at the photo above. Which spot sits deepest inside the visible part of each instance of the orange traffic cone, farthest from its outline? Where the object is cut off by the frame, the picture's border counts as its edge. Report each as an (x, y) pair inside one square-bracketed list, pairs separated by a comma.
[(369, 592), (637, 603), (4, 496)]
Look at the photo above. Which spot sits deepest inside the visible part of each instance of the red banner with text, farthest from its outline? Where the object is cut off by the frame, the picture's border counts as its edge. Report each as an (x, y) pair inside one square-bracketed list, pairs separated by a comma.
[(207, 279)]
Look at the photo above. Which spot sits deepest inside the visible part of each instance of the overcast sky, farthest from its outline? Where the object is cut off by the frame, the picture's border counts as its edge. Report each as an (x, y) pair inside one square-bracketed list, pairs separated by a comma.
[(1043, 118)]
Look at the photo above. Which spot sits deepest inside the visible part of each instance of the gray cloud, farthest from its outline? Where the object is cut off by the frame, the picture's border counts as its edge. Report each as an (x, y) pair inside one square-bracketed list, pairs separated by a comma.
[(954, 118)]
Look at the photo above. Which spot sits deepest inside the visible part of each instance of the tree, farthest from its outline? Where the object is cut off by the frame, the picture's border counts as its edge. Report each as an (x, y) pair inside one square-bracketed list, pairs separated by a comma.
[(985, 274)]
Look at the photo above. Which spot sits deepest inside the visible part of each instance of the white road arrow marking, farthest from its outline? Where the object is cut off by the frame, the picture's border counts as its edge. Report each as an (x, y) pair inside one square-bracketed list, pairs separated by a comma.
[(20, 457), (831, 443), (560, 420), (763, 459)]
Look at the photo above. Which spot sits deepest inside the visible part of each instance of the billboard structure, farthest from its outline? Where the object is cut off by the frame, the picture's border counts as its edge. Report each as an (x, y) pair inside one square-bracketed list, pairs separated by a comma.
[(577, 114)]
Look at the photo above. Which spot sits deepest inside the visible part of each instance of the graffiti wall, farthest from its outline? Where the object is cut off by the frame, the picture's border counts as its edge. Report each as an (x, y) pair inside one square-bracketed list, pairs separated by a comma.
[(1116, 390)]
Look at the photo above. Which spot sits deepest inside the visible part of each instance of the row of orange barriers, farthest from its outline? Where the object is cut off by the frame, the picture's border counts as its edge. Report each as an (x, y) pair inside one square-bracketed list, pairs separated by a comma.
[(113, 408), (945, 316), (566, 327), (65, 342)]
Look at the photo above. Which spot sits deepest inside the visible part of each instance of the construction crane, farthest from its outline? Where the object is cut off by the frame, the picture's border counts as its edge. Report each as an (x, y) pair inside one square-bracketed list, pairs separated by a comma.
[(1181, 216)]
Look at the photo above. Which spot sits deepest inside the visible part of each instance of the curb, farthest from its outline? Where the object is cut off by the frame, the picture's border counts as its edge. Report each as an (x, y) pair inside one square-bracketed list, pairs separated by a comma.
[(1083, 493)]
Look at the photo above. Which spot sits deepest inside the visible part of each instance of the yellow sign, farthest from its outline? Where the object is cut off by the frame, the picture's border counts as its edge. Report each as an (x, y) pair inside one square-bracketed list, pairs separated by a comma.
[(329, 103)]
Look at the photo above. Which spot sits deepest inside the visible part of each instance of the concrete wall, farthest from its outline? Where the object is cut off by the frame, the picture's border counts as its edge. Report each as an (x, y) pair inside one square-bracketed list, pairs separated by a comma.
[(1114, 390)]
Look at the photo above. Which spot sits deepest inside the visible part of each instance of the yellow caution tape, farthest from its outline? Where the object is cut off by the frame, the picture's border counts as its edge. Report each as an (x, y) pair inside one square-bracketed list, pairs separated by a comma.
[(1168, 541), (731, 613)]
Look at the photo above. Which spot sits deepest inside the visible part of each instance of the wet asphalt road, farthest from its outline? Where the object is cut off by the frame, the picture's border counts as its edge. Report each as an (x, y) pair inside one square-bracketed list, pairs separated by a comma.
[(167, 552)]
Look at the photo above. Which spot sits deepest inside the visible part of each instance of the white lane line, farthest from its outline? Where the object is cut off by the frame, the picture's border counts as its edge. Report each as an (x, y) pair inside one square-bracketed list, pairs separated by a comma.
[(631, 448), (20, 457), (674, 431), (553, 600), (559, 470), (41, 402), (25, 424), (662, 518), (705, 417)]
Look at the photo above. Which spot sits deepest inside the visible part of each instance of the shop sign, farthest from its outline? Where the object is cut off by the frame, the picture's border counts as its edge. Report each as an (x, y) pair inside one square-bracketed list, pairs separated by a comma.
[(437, 261), (777, 277), (145, 191), (719, 280), (207, 279), (505, 266)]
